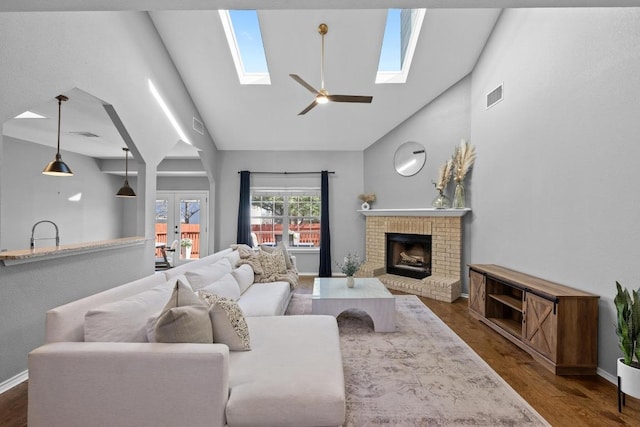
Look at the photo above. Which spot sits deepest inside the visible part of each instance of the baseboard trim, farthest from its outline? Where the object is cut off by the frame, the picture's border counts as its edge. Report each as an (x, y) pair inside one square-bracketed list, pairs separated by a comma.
[(607, 376), (14, 381)]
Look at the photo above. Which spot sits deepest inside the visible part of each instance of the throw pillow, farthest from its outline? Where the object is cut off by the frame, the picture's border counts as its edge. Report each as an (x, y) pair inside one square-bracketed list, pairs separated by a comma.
[(184, 319), (245, 251), (285, 253), (244, 276), (207, 274), (226, 286), (125, 320), (229, 324), (272, 263), (254, 262)]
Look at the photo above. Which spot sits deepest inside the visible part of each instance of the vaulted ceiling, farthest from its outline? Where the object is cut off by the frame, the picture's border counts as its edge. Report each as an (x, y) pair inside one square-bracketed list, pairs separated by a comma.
[(264, 117)]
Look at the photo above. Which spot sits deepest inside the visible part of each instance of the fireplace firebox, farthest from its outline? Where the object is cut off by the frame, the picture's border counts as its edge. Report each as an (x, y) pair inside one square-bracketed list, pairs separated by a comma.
[(408, 255)]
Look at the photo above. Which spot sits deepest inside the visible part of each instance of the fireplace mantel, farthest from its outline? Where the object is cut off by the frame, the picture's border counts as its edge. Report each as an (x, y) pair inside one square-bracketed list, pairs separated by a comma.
[(415, 212)]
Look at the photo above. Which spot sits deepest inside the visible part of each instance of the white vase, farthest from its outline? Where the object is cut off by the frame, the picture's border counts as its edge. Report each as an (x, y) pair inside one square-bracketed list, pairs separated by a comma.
[(350, 282), (365, 206), (629, 379)]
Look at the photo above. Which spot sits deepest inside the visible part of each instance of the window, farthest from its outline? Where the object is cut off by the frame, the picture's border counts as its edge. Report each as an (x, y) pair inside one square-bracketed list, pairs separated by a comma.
[(398, 45), (242, 29), (291, 212)]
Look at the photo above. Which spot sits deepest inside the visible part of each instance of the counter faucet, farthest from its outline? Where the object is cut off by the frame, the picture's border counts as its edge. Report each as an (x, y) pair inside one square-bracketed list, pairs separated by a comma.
[(33, 230)]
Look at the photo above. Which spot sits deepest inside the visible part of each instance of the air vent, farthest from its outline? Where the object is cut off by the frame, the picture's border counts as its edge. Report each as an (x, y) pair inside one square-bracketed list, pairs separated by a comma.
[(494, 96), (85, 134), (198, 126)]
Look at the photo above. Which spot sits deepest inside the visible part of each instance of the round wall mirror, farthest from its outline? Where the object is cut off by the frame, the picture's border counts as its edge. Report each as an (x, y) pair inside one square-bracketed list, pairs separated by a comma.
[(409, 158)]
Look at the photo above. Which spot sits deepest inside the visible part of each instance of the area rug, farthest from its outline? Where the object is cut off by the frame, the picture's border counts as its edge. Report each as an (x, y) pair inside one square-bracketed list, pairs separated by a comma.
[(421, 375)]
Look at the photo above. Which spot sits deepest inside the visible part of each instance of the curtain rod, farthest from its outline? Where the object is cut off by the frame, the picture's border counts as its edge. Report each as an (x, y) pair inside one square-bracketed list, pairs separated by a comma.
[(284, 173)]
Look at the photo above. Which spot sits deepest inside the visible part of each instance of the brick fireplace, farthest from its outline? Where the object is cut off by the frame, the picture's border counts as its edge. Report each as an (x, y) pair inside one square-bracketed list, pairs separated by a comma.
[(445, 228)]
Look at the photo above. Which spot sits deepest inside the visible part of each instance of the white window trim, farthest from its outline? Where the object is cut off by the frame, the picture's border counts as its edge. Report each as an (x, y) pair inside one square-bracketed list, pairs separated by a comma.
[(285, 218)]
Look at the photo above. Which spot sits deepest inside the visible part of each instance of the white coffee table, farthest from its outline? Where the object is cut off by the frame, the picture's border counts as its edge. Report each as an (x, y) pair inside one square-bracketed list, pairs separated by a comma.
[(332, 296)]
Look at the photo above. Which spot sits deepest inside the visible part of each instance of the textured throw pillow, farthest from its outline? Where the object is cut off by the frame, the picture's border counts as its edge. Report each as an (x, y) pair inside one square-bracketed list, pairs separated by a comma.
[(244, 276), (245, 251), (254, 262), (207, 274), (229, 325), (285, 253), (226, 286), (272, 263), (184, 319)]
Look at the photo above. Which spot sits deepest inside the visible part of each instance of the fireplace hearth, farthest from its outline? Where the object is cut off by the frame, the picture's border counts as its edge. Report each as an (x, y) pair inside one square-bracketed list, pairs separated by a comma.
[(408, 255)]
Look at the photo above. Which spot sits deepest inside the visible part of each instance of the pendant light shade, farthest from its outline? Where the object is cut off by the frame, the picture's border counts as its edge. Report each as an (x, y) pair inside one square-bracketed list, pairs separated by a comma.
[(57, 167), (126, 190)]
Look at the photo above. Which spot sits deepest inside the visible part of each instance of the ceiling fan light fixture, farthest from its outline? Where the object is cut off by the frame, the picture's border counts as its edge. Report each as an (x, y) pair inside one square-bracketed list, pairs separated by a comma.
[(322, 95), (57, 167)]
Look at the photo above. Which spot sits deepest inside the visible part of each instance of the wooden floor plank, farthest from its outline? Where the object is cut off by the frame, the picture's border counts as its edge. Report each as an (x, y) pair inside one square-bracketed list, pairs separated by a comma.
[(563, 401)]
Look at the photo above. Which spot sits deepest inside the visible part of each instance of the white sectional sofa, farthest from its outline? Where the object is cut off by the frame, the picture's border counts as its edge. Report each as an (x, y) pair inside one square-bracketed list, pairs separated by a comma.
[(97, 367)]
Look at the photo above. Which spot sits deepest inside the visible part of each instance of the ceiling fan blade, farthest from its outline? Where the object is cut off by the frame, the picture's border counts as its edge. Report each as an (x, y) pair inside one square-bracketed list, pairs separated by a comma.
[(303, 83), (309, 107), (350, 98)]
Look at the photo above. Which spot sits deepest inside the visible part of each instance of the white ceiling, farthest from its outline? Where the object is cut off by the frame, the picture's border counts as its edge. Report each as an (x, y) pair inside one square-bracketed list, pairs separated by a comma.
[(264, 117)]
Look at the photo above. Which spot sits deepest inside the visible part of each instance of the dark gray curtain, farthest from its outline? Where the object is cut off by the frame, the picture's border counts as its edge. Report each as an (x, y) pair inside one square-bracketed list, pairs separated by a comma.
[(325, 237), (244, 210)]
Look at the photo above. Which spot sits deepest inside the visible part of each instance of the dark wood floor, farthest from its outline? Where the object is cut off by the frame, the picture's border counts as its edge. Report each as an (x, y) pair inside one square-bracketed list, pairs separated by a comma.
[(562, 401)]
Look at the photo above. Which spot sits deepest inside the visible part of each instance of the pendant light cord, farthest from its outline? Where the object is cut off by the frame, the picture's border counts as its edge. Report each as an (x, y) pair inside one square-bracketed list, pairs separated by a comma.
[(59, 114)]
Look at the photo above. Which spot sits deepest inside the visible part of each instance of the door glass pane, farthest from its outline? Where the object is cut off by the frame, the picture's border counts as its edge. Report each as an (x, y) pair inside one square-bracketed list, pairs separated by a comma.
[(162, 210), (190, 211)]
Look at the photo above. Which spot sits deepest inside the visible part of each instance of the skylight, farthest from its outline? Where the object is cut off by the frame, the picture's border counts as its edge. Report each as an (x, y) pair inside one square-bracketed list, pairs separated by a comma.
[(399, 44), (245, 43)]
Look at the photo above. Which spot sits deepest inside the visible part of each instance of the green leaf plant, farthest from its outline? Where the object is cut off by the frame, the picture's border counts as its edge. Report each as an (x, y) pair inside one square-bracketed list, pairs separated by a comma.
[(628, 327)]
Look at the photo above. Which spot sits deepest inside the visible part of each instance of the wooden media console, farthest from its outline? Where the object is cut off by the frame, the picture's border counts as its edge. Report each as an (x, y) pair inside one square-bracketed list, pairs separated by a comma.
[(556, 324)]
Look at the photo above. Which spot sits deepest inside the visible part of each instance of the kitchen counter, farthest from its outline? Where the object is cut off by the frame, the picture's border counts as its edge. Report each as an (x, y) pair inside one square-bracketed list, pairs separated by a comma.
[(45, 253)]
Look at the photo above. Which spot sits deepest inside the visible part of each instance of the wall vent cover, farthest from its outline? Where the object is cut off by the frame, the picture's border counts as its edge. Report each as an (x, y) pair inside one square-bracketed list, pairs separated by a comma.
[(495, 96), (198, 126)]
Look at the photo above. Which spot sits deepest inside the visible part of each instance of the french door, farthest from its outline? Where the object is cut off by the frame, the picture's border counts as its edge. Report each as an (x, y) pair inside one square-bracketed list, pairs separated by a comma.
[(182, 217)]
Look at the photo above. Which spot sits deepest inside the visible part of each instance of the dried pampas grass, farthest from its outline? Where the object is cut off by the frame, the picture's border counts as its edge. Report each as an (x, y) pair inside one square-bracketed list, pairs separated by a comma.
[(463, 158), (444, 174)]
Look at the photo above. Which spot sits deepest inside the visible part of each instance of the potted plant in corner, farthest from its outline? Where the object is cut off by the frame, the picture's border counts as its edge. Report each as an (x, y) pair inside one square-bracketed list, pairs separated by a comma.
[(186, 245), (628, 331)]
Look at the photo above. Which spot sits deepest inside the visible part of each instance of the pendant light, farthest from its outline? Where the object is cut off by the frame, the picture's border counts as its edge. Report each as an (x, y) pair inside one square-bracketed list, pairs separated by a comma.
[(126, 190), (57, 167)]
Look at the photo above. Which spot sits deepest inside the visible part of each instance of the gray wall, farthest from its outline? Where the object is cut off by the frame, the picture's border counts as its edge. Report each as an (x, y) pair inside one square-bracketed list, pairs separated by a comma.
[(347, 225), (29, 290), (29, 196), (556, 182), (439, 126)]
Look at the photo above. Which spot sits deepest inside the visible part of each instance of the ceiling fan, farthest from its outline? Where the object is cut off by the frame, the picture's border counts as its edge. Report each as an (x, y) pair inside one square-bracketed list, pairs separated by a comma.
[(322, 96)]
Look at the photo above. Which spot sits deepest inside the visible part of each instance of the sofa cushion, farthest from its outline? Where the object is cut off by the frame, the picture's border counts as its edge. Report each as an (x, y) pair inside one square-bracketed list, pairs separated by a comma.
[(227, 319), (292, 377), (244, 277), (233, 258), (184, 319), (125, 320), (206, 274), (226, 286), (266, 299)]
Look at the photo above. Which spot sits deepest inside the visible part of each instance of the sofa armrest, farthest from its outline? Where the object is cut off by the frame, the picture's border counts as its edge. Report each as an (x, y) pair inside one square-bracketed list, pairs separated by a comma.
[(128, 384)]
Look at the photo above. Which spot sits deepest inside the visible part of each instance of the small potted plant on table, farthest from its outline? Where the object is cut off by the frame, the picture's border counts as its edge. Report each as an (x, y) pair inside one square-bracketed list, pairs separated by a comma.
[(186, 244), (628, 331), (350, 267)]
